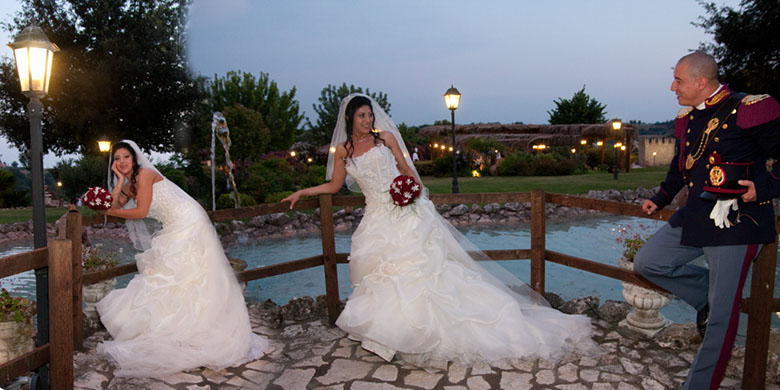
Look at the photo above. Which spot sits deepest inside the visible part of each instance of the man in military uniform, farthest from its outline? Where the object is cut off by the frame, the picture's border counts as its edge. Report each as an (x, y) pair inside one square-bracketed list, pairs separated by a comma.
[(725, 140)]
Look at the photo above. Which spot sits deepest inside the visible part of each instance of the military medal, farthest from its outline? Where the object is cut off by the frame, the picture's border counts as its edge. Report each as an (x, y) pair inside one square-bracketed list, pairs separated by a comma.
[(717, 176)]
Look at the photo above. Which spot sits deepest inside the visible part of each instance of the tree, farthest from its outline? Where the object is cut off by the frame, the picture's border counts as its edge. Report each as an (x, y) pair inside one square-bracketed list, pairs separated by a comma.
[(77, 176), (328, 110), (747, 44), (248, 134), (280, 112), (121, 72), (580, 109)]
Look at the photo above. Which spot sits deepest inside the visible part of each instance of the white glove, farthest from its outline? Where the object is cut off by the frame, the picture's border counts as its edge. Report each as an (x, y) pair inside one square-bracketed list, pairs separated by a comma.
[(720, 213)]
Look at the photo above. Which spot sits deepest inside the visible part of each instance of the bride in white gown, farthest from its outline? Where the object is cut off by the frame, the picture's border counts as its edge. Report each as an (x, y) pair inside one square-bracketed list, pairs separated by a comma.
[(185, 308), (418, 291)]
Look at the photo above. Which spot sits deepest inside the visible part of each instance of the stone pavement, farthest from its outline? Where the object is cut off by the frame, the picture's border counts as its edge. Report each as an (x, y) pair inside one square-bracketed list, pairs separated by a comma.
[(310, 354)]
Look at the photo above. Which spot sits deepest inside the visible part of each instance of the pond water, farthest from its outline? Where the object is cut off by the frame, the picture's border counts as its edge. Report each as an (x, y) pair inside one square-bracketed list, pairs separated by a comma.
[(592, 238)]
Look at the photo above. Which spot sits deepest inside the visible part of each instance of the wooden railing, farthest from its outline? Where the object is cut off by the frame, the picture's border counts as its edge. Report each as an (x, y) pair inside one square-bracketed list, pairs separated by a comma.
[(759, 306), (62, 257)]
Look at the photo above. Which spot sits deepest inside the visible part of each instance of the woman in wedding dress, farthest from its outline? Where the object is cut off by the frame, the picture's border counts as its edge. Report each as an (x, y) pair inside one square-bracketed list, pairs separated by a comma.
[(185, 308), (418, 292)]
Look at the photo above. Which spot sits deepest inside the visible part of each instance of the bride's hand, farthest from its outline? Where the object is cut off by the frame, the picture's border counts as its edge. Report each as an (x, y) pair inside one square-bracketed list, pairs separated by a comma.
[(120, 178), (292, 199)]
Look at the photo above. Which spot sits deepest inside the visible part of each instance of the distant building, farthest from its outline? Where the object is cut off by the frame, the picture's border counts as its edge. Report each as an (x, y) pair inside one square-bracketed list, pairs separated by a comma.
[(663, 147)]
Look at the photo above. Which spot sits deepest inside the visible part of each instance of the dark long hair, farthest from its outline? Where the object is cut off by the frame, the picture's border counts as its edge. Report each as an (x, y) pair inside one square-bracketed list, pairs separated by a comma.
[(349, 112), (132, 178)]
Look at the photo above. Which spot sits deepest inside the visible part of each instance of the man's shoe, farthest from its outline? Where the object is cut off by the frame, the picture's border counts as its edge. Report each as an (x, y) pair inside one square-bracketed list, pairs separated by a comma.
[(702, 317)]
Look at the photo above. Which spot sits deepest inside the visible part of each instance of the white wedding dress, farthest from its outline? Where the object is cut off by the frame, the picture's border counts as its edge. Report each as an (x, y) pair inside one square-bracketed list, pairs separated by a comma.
[(185, 308), (419, 294)]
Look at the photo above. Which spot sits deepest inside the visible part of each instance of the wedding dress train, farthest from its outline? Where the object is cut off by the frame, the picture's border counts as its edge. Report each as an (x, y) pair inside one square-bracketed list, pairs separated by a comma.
[(419, 294), (185, 308)]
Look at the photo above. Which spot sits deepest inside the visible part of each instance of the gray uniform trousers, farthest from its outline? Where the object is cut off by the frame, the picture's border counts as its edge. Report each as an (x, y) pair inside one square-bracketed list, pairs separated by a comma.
[(664, 261)]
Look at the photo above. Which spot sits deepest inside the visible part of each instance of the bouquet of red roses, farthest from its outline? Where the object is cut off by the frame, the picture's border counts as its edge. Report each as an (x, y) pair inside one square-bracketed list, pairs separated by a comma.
[(404, 190), (97, 198)]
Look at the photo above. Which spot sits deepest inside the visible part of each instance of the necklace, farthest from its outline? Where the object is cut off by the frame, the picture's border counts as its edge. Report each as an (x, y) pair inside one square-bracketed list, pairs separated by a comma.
[(363, 139)]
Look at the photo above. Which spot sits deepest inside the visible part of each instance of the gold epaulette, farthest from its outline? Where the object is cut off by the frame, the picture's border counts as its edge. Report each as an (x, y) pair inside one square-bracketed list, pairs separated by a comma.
[(684, 111), (750, 99)]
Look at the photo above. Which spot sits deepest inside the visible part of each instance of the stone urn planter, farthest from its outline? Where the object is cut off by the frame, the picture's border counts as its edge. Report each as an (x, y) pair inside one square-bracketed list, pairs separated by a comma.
[(93, 293), (645, 317), (16, 326)]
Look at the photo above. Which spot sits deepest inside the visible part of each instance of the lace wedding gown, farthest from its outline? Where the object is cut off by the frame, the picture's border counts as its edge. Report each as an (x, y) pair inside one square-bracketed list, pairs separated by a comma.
[(185, 308), (419, 294)]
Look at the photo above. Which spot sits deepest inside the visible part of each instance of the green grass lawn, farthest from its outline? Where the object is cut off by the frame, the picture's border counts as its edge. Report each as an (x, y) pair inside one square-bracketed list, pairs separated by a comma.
[(575, 184)]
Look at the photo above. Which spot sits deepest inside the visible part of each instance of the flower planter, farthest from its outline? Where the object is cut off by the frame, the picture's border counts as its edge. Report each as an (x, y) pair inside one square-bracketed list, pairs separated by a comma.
[(16, 339), (93, 293), (645, 317)]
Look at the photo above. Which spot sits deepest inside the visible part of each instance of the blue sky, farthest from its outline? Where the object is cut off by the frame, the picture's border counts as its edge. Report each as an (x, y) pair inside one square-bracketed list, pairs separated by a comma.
[(510, 59)]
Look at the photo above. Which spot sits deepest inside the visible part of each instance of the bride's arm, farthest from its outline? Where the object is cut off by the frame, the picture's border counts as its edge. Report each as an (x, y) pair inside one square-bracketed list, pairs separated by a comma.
[(400, 161), (143, 186), (331, 187)]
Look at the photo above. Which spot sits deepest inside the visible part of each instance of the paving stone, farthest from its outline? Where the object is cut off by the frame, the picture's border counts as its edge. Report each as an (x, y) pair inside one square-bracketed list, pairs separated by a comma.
[(215, 377), (342, 370), (477, 383), (90, 380), (610, 377), (546, 364), (567, 372), (613, 368), (456, 373), (481, 368), (386, 373), (334, 387), (545, 377), (256, 379), (182, 378), (424, 379), (342, 352), (265, 366), (137, 383), (588, 361), (652, 384), (589, 375), (516, 381), (572, 386), (310, 362), (360, 385), (632, 367), (660, 374), (502, 364), (626, 386), (295, 379), (524, 364), (456, 388), (602, 386)]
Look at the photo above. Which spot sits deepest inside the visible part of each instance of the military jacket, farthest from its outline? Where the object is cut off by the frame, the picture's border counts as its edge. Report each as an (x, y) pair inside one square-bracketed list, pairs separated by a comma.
[(748, 137)]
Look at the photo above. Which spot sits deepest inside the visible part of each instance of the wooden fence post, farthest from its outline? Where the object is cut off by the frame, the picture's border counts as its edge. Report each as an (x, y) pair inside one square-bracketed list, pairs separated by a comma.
[(60, 314), (537, 240), (74, 234), (762, 288), (329, 256)]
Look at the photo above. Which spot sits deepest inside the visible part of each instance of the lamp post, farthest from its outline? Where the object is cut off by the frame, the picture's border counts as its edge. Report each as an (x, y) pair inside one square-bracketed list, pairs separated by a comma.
[(654, 153), (452, 99), (616, 125), (33, 53), (59, 185), (104, 145)]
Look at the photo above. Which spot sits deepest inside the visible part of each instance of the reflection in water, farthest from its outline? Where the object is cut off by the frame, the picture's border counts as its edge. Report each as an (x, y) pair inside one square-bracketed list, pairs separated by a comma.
[(591, 238)]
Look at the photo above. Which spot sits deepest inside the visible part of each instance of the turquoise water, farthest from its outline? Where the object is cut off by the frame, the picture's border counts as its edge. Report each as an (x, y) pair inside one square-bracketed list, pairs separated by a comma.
[(592, 238)]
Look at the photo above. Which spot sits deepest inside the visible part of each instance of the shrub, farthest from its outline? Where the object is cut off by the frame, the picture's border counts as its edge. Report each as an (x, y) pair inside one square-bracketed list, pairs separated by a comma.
[(515, 164), (442, 166), (424, 168), (276, 197), (225, 201), (15, 309), (94, 258)]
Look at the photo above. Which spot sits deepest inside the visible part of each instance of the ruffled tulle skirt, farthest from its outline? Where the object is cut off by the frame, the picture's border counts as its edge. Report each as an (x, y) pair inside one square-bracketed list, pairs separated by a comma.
[(184, 309), (420, 295)]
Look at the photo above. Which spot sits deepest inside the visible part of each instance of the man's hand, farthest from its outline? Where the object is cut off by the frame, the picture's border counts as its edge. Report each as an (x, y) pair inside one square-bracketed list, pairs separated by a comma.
[(749, 196), (649, 207)]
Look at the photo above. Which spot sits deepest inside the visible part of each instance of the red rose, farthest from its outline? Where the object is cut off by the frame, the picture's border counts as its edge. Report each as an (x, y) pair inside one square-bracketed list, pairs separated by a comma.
[(97, 198), (404, 190)]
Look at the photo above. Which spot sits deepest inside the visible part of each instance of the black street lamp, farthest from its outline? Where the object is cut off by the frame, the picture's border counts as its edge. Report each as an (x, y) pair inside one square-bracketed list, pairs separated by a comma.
[(104, 145), (616, 125), (33, 53), (452, 99)]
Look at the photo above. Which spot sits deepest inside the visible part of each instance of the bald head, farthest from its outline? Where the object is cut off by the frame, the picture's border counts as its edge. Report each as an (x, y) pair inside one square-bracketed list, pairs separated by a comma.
[(700, 64)]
